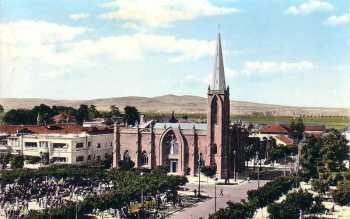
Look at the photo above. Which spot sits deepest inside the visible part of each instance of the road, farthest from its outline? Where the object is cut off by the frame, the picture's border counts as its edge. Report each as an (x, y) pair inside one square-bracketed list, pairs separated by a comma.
[(203, 209)]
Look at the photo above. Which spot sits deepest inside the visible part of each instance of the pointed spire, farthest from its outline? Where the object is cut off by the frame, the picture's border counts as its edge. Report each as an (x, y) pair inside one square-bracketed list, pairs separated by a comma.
[(218, 79)]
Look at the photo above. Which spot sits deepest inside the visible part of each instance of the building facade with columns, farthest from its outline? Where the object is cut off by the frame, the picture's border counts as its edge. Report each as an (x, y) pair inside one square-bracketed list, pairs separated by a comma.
[(180, 146)]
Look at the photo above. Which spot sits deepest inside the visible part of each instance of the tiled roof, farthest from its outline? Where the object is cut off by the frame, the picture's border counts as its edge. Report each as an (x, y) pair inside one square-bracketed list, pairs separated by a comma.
[(285, 139), (315, 128), (51, 129), (63, 117), (276, 129)]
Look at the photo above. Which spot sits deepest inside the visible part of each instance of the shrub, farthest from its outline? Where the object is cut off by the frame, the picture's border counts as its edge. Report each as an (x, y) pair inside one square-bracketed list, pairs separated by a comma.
[(107, 162), (294, 202), (235, 210), (61, 171), (320, 185), (126, 164), (282, 211), (342, 194), (209, 171), (271, 191), (17, 162), (32, 159), (128, 186)]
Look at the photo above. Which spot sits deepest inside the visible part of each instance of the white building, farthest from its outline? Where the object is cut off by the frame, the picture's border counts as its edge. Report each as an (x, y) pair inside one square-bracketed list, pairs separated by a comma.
[(346, 133), (64, 144)]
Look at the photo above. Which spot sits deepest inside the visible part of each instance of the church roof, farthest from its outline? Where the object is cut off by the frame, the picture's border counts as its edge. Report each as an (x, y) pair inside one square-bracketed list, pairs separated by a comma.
[(198, 126), (218, 79)]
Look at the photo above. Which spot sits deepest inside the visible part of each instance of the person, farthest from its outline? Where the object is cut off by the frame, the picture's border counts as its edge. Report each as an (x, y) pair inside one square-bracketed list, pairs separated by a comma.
[(221, 192), (227, 180), (195, 192)]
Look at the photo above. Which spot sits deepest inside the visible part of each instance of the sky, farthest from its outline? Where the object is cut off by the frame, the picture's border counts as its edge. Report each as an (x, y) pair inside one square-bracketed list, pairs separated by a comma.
[(290, 52)]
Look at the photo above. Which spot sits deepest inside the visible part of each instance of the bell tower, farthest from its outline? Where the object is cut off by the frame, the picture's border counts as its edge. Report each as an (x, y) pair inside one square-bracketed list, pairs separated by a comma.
[(218, 117)]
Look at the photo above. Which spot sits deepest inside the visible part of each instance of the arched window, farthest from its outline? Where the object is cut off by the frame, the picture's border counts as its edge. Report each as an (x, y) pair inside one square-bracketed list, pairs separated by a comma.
[(214, 111), (126, 155), (144, 158)]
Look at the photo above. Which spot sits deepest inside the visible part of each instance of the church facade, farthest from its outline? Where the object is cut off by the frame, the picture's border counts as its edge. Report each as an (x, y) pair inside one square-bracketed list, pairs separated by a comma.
[(182, 147)]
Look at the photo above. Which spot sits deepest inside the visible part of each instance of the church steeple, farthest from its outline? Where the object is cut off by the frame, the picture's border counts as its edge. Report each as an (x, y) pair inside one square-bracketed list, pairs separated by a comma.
[(218, 118), (218, 80)]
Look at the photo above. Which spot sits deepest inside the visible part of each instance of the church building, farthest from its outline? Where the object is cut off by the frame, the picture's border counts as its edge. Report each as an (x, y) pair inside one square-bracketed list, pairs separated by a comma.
[(181, 147)]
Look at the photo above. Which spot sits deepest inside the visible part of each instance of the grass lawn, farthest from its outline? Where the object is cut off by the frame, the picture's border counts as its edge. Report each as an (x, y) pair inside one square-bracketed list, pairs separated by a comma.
[(330, 122)]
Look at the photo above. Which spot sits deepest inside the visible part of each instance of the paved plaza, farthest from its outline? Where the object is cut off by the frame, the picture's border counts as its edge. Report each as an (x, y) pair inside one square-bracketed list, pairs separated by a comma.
[(232, 193)]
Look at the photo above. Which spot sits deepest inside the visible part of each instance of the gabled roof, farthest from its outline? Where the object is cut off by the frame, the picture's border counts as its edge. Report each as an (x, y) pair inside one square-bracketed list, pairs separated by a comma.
[(315, 128), (275, 129), (218, 81), (286, 140), (63, 117)]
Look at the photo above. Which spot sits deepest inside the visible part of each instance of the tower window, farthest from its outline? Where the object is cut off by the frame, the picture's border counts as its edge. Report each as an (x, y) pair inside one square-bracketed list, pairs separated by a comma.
[(214, 111)]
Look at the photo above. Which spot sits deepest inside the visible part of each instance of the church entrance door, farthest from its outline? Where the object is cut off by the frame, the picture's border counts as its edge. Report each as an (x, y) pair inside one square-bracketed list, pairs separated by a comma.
[(173, 166)]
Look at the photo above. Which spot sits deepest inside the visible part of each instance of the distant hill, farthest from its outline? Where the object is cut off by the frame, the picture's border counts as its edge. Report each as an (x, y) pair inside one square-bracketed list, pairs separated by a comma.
[(180, 104)]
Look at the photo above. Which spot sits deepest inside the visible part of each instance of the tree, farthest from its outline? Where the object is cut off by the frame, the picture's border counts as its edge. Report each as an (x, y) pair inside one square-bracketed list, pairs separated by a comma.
[(297, 129), (64, 109), (294, 202), (342, 194), (132, 115), (20, 117), (310, 157), (334, 151), (93, 112), (44, 111), (252, 148), (279, 152), (114, 111), (82, 113), (1, 109)]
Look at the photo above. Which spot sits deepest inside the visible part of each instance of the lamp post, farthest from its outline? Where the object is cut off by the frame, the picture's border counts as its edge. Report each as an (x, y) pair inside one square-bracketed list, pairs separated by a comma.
[(199, 174), (141, 174), (285, 164), (216, 179), (257, 158), (76, 209), (74, 198), (234, 165)]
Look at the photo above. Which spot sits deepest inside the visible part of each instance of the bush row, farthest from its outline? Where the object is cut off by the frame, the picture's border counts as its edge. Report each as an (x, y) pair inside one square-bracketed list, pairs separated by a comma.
[(258, 198), (60, 171)]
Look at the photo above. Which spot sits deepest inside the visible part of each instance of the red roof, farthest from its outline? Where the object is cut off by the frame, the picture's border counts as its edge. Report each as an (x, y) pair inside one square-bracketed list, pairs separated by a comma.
[(275, 129), (63, 117), (285, 139), (315, 128), (50, 129)]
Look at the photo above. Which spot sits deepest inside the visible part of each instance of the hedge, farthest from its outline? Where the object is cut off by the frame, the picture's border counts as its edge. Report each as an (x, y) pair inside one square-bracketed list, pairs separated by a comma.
[(258, 198)]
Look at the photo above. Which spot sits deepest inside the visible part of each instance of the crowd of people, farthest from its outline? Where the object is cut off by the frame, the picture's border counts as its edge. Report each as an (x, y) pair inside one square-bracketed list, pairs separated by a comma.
[(18, 198)]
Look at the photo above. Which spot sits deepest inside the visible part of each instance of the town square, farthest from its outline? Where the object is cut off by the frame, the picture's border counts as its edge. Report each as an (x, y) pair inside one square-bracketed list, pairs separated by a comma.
[(203, 109)]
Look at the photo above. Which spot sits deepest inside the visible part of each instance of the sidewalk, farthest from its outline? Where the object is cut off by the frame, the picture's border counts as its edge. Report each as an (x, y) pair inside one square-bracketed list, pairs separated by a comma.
[(203, 209), (211, 181)]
